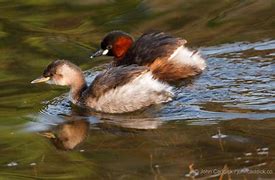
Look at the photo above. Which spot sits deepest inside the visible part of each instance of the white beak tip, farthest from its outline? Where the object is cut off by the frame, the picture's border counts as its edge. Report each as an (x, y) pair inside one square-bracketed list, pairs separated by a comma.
[(105, 52)]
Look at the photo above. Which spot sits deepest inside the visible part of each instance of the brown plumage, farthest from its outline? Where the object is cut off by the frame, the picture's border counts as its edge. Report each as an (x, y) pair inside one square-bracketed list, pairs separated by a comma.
[(114, 78), (116, 90), (165, 55), (171, 71)]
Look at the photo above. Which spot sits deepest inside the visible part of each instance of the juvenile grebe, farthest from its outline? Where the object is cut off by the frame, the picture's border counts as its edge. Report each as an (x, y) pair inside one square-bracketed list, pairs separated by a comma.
[(165, 55), (117, 90)]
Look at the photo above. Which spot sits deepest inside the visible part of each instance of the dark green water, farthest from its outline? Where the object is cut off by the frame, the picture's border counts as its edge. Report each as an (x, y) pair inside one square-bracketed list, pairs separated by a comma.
[(235, 96)]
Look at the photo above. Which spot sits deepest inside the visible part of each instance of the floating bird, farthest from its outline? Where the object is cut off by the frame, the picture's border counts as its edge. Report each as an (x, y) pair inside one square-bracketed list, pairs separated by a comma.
[(165, 55), (116, 90)]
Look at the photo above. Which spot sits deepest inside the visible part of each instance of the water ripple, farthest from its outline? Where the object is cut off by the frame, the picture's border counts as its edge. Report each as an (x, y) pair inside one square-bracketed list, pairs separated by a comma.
[(238, 83)]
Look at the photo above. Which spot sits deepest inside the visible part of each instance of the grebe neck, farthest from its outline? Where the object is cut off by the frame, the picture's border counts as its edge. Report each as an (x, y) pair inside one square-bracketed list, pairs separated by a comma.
[(77, 89)]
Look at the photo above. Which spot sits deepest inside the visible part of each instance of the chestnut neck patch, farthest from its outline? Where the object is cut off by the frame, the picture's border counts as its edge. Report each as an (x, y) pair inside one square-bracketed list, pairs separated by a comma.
[(121, 47)]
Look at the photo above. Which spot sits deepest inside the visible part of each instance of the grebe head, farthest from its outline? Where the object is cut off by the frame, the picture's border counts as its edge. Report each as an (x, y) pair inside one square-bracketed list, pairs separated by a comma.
[(61, 72), (115, 43)]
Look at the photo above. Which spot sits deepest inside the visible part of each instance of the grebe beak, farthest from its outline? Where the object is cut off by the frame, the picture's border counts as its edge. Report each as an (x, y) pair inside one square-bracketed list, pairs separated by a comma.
[(100, 52), (41, 79)]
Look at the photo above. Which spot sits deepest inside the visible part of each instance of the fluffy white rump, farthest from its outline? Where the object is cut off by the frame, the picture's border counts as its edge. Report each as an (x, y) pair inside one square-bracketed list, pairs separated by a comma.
[(141, 92), (184, 56)]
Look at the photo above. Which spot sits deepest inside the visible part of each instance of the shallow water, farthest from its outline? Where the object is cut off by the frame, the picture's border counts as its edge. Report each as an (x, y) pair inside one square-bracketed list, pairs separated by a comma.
[(220, 120)]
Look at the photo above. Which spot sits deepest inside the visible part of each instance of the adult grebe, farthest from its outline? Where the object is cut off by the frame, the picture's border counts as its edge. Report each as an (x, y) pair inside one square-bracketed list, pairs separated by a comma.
[(165, 55)]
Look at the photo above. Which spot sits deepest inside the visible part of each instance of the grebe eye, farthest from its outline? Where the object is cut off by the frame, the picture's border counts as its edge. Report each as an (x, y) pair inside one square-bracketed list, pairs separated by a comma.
[(109, 47)]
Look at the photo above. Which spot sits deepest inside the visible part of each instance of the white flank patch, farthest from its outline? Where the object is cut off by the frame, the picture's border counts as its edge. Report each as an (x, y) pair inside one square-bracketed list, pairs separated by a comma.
[(141, 92), (184, 56)]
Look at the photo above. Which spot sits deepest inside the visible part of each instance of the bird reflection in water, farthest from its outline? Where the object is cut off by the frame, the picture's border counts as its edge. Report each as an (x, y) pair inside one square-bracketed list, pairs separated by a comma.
[(68, 132), (131, 124), (68, 135)]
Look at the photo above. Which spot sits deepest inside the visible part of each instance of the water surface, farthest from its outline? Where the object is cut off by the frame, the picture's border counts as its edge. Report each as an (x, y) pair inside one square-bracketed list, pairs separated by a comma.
[(220, 120)]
